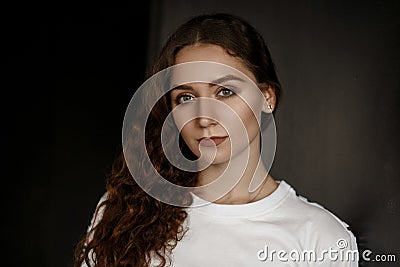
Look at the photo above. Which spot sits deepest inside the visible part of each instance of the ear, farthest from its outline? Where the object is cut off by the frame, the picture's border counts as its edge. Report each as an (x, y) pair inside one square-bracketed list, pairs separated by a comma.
[(270, 97)]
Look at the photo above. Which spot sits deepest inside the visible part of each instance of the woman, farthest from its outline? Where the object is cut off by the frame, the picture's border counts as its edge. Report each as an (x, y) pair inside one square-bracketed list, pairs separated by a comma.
[(248, 219)]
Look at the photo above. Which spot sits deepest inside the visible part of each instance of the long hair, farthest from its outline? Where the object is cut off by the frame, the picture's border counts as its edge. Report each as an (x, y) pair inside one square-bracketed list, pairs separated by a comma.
[(136, 228)]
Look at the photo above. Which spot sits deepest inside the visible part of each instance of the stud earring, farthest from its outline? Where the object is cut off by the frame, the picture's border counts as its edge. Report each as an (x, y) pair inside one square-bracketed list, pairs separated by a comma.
[(269, 106)]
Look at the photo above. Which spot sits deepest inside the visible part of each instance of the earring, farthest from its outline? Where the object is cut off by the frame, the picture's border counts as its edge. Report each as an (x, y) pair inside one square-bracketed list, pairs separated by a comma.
[(269, 106)]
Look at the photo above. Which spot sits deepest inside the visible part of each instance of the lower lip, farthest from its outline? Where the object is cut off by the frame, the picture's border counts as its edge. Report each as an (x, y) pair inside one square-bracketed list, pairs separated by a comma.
[(212, 141)]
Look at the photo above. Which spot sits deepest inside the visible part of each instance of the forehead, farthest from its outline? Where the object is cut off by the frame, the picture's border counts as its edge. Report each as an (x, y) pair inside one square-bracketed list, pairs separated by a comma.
[(207, 63), (211, 53)]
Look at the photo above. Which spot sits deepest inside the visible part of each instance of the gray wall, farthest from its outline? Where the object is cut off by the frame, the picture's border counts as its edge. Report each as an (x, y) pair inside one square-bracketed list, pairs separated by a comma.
[(337, 124)]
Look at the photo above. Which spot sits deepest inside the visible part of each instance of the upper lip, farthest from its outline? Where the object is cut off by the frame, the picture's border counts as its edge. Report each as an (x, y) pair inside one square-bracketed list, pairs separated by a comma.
[(211, 137)]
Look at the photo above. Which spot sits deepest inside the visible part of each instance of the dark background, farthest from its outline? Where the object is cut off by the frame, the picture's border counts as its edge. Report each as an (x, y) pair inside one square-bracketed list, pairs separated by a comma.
[(69, 73)]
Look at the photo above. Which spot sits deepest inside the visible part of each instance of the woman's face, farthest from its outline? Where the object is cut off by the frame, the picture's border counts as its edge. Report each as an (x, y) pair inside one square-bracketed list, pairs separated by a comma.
[(212, 126)]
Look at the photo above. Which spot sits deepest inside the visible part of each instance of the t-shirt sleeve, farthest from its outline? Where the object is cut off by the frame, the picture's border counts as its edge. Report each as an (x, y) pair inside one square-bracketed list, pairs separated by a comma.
[(332, 240), (337, 246), (97, 215), (96, 218)]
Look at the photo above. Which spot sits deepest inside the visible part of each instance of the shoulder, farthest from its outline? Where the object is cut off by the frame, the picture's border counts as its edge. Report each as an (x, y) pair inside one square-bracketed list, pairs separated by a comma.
[(322, 232), (326, 228), (96, 218), (322, 228), (98, 213)]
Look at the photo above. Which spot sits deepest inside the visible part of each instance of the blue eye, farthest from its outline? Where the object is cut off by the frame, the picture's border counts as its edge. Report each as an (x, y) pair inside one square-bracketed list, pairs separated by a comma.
[(184, 98), (225, 92)]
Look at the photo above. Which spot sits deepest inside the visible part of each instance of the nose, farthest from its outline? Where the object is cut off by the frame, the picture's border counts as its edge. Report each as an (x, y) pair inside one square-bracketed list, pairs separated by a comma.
[(205, 122), (204, 109)]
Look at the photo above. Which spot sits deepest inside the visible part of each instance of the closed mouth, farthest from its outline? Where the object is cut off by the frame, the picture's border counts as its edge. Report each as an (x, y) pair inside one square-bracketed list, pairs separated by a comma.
[(212, 141)]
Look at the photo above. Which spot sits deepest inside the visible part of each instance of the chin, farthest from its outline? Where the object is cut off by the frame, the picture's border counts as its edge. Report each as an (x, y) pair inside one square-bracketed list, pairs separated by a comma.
[(221, 159)]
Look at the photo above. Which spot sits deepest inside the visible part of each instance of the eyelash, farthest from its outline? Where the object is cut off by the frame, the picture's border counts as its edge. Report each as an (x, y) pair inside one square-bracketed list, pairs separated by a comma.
[(178, 98)]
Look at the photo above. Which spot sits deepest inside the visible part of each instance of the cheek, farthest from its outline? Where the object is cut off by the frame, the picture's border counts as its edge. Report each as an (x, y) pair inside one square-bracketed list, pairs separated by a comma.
[(188, 135), (242, 117), (250, 121), (187, 132)]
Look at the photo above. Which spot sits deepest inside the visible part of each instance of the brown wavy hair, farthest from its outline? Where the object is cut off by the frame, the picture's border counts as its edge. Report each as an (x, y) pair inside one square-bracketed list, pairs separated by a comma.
[(135, 227)]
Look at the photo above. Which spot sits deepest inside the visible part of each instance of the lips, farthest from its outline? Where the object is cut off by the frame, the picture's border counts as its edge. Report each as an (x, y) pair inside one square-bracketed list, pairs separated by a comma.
[(212, 141)]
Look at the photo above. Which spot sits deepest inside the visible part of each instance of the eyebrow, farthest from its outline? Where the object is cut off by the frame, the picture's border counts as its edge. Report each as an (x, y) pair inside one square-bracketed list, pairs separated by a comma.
[(221, 80), (226, 78)]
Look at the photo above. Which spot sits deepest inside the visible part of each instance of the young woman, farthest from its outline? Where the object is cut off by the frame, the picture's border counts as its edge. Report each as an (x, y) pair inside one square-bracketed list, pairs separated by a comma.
[(214, 62)]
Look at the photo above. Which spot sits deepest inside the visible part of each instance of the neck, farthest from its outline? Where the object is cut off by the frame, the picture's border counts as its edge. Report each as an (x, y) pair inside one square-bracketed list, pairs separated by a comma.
[(239, 183)]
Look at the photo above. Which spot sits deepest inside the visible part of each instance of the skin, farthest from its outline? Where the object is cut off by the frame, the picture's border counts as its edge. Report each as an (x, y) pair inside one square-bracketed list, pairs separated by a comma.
[(203, 126)]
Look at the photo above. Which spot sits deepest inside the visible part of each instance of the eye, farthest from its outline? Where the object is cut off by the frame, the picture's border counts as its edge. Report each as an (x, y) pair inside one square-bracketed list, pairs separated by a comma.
[(184, 98), (225, 92)]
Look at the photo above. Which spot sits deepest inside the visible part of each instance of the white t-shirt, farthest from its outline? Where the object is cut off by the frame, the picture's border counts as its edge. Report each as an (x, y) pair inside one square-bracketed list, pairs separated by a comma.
[(282, 229)]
